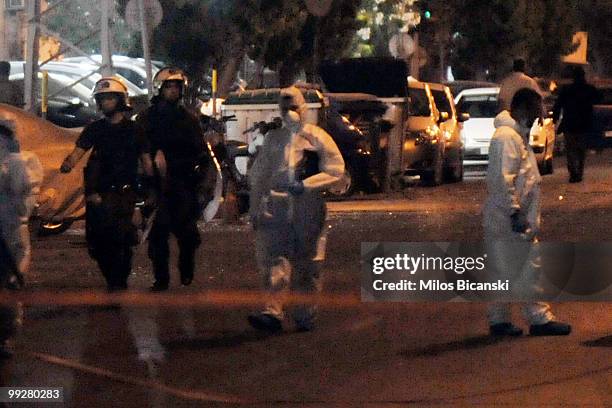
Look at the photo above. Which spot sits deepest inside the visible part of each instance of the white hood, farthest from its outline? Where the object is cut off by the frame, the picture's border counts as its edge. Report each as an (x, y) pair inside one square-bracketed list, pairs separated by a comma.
[(505, 119)]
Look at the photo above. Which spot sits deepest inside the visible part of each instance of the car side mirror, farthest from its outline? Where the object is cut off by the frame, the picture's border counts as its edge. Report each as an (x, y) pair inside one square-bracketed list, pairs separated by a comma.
[(464, 117), (444, 116)]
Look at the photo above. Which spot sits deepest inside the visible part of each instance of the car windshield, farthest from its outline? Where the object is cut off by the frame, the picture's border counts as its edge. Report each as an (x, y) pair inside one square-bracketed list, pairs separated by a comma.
[(132, 76), (479, 106), (442, 101), (88, 82), (419, 103), (57, 84)]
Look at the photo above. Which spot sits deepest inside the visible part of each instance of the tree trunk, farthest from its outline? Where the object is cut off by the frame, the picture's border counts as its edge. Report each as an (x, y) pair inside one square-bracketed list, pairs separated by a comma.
[(227, 72)]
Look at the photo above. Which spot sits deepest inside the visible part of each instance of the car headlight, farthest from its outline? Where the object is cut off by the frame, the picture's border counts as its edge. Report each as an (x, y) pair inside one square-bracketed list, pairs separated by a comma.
[(429, 135)]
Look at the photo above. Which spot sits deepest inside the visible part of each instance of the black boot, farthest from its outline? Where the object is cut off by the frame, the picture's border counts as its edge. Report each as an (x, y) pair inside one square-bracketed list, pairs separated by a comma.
[(265, 322), (159, 286), (186, 265), (6, 350), (162, 276), (505, 329), (551, 328)]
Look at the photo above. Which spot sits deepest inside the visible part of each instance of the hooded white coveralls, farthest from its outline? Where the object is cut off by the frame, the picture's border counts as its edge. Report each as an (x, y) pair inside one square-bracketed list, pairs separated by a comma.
[(20, 179), (290, 236), (16, 203), (513, 183)]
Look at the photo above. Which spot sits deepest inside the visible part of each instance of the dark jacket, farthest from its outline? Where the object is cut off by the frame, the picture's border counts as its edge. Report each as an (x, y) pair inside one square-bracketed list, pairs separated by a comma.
[(177, 133), (114, 159), (576, 102)]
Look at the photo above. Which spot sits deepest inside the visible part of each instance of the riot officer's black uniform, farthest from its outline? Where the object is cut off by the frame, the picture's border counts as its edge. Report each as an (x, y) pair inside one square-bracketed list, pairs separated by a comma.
[(112, 172), (171, 129), (111, 182)]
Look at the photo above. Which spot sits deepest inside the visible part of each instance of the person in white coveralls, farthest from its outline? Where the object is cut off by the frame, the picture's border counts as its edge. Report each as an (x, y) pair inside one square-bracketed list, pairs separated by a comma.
[(20, 178), (512, 215), (294, 165)]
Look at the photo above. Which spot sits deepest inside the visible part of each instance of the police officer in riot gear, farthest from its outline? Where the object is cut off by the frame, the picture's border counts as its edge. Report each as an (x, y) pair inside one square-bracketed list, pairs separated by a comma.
[(175, 136), (111, 181)]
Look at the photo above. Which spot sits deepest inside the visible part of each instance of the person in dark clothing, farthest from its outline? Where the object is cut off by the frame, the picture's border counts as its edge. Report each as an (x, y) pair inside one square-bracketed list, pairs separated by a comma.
[(111, 181), (10, 93), (177, 146), (575, 108)]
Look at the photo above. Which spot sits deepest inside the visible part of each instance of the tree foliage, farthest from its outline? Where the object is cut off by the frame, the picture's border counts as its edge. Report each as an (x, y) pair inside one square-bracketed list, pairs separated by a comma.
[(478, 38), (78, 21), (493, 33), (594, 16)]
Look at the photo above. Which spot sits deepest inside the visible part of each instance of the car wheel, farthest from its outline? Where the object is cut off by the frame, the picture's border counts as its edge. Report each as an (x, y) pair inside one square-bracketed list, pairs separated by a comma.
[(434, 176), (347, 187), (454, 172), (46, 229)]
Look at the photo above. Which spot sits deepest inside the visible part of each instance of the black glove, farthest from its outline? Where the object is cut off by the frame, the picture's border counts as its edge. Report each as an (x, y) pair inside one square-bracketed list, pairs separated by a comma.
[(296, 188), (519, 222), (65, 167)]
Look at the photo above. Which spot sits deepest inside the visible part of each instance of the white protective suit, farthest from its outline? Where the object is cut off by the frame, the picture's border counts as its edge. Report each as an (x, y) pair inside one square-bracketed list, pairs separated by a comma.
[(290, 233), (16, 204), (513, 183), (511, 84), (20, 179)]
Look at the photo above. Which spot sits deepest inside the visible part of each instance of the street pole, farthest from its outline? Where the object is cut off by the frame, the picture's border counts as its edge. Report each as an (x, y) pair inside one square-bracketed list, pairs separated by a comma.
[(44, 97), (144, 29), (414, 62), (214, 93), (107, 62), (31, 68)]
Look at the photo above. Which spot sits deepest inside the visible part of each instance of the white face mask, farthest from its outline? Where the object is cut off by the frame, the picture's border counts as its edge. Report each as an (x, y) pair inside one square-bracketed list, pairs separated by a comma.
[(292, 121)]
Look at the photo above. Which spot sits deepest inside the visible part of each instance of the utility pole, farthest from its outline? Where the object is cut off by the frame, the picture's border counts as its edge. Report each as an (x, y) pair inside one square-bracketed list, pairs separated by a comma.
[(105, 41), (415, 64), (31, 68), (144, 27)]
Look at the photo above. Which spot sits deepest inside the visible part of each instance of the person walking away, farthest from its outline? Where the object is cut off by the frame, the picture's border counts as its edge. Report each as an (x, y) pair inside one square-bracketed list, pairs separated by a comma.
[(294, 165), (512, 214), (111, 181), (10, 93), (574, 110), (516, 80)]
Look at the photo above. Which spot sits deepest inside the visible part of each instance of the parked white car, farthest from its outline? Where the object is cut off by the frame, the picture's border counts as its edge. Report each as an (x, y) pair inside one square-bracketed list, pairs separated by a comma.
[(77, 71), (481, 104), (131, 69)]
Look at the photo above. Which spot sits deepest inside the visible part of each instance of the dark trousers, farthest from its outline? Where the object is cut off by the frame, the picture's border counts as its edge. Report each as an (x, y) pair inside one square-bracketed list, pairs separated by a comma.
[(177, 213), (111, 235), (576, 151)]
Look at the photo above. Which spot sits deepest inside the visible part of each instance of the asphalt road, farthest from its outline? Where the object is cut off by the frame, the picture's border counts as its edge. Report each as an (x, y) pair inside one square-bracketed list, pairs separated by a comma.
[(362, 355)]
